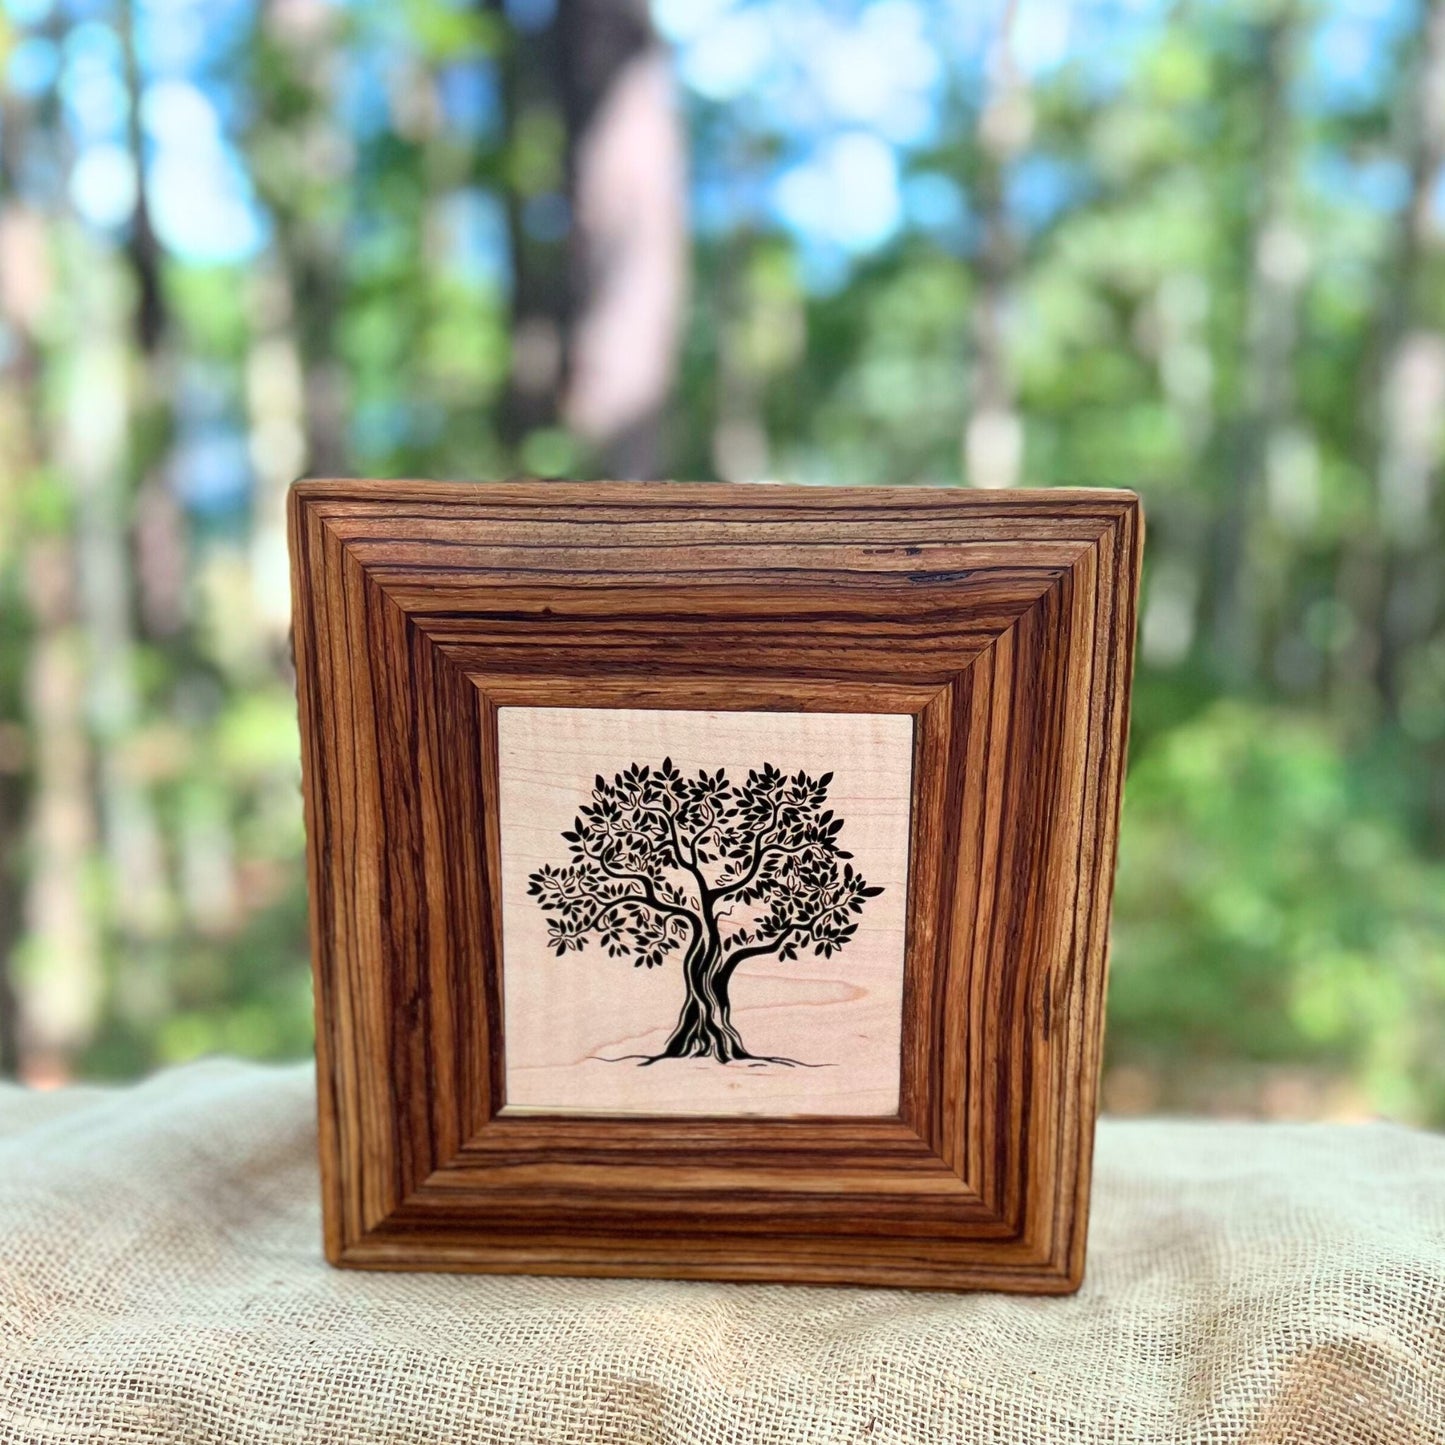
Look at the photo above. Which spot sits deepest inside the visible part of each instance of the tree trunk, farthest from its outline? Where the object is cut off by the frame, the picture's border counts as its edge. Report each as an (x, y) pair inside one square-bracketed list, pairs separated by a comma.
[(1244, 607), (704, 1026), (301, 41), (597, 295), (1388, 569), (993, 433)]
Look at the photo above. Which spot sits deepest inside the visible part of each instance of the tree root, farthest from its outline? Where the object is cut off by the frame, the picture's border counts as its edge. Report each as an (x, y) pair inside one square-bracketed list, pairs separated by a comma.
[(758, 1061), (752, 1061)]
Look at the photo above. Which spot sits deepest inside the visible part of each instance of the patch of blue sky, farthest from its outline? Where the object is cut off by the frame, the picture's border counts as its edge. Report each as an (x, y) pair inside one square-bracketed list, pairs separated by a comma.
[(470, 98), (851, 88), (1103, 37), (234, 102), (1042, 36), (185, 37), (1106, 39), (1041, 187), (1379, 184), (474, 224), (363, 99), (724, 200), (935, 204), (823, 268), (202, 199), (680, 21), (796, 64), (102, 184), (92, 87), (171, 37), (846, 194), (212, 471), (33, 66), (29, 12), (877, 68), (178, 112), (78, 11), (728, 59), (962, 29), (712, 205), (1348, 61), (205, 208)]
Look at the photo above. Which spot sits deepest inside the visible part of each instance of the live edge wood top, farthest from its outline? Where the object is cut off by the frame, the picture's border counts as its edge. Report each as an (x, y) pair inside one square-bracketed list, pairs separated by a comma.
[(1001, 622)]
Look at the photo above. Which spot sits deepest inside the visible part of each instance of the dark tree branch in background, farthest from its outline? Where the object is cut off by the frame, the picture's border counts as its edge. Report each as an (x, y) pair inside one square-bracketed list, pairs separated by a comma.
[(158, 528), (534, 193), (142, 247)]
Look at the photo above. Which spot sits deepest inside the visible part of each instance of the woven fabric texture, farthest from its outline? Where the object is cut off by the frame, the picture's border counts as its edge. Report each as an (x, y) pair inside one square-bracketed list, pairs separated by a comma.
[(161, 1281)]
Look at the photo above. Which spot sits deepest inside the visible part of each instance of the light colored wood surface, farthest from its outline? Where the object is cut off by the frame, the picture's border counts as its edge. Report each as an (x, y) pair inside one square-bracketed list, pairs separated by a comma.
[(572, 1022)]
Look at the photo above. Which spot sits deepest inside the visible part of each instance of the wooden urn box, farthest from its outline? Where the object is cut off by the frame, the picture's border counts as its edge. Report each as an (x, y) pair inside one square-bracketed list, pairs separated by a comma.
[(711, 882)]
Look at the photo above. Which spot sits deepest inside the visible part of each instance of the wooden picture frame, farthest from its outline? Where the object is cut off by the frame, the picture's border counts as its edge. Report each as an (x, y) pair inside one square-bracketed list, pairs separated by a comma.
[(1001, 623)]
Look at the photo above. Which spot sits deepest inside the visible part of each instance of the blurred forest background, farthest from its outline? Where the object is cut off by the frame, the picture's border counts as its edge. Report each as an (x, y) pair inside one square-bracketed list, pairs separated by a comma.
[(1194, 247)]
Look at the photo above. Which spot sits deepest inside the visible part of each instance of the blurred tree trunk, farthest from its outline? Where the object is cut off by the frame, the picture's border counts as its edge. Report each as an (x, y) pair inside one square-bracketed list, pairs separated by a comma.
[(1384, 579), (1389, 575), (111, 406), (142, 248), (58, 1000), (13, 814), (535, 191), (23, 292), (993, 434), (740, 434), (596, 214), (294, 384), (276, 421), (159, 527), (1278, 261), (93, 451), (297, 150), (47, 810)]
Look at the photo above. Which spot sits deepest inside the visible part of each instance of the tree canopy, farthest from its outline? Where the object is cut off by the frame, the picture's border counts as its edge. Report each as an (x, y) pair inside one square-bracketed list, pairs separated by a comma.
[(706, 870)]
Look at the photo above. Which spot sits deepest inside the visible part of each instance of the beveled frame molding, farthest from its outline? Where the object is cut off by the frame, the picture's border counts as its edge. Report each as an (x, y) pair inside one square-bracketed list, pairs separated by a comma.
[(1003, 622)]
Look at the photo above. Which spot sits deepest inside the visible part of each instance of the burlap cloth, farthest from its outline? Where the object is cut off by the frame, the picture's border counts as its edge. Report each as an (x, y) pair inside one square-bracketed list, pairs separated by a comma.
[(161, 1280)]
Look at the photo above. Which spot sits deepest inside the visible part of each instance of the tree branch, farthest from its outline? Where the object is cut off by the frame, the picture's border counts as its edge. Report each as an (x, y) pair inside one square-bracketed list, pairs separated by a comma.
[(773, 945), (603, 906), (676, 838), (757, 864), (705, 894), (650, 897), (760, 851)]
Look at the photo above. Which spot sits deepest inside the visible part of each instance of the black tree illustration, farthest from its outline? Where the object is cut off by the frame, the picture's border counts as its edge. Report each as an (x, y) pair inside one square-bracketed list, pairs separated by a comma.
[(716, 871)]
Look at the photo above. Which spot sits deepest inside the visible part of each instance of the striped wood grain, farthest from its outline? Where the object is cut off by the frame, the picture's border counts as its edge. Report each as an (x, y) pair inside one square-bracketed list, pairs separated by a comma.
[(1003, 622)]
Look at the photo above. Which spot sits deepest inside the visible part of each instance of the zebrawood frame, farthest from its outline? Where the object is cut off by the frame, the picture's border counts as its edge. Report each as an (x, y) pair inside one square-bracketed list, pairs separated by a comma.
[(1004, 622)]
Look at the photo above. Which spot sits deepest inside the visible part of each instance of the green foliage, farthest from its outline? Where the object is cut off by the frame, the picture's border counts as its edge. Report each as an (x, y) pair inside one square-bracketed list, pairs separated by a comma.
[(1208, 298), (1270, 908)]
